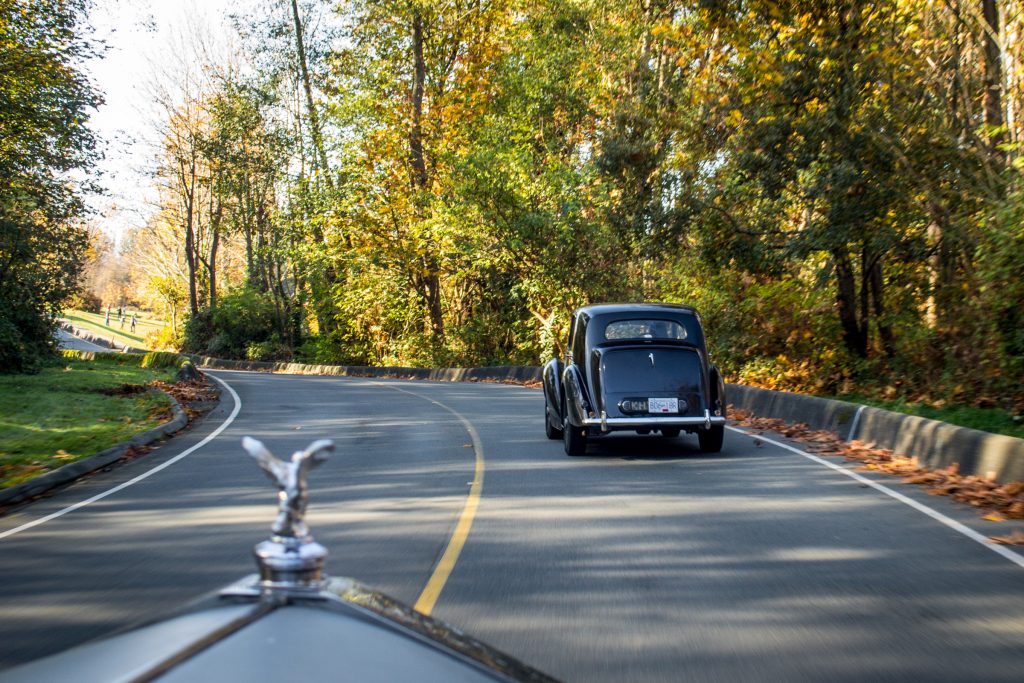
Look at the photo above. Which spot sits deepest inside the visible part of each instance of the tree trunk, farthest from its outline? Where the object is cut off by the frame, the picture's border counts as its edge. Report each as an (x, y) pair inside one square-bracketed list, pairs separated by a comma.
[(211, 265), (190, 237), (846, 299), (314, 119), (429, 280), (416, 159), (885, 332), (993, 70)]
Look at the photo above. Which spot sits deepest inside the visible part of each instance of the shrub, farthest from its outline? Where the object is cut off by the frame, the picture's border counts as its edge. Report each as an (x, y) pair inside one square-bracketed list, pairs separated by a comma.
[(26, 340), (270, 350), (164, 340), (242, 318), (161, 359), (84, 300)]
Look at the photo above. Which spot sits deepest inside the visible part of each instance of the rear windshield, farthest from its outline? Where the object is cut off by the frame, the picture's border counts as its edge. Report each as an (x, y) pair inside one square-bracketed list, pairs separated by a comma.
[(644, 329)]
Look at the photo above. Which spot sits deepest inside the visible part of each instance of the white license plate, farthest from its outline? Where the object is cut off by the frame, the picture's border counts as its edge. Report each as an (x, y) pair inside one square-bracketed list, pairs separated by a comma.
[(663, 405)]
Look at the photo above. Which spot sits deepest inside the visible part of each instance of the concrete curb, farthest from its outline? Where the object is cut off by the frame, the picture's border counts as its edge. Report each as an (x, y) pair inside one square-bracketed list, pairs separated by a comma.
[(72, 471), (937, 445), (497, 373)]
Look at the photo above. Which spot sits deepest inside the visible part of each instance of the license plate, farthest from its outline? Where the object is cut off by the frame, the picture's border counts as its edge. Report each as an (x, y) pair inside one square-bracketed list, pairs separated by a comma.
[(663, 405)]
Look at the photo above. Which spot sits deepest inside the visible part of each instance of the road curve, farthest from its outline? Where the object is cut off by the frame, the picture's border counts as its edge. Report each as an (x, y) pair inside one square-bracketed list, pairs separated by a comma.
[(66, 340), (644, 560)]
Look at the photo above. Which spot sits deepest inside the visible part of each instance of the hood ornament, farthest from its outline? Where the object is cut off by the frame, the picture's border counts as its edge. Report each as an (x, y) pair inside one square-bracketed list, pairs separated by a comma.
[(290, 559)]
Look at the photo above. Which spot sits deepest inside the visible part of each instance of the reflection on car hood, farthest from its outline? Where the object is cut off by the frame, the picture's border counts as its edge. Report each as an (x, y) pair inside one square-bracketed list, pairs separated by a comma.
[(345, 632)]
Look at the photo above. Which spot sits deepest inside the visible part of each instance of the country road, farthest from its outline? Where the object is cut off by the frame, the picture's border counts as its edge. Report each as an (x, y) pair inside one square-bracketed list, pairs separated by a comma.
[(644, 560), (70, 341)]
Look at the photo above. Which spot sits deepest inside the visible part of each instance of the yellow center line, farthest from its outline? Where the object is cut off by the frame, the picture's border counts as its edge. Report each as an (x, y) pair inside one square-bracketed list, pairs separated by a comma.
[(432, 591)]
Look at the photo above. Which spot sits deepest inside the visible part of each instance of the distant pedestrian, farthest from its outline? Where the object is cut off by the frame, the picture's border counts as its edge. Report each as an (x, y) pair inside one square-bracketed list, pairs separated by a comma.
[(106, 320), (133, 322)]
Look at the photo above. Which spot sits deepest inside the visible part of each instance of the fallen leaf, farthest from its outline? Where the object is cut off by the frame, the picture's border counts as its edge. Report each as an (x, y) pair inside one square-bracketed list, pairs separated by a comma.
[(1016, 538)]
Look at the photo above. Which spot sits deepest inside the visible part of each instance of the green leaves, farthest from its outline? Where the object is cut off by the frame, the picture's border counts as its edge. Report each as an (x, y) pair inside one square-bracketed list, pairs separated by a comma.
[(44, 104)]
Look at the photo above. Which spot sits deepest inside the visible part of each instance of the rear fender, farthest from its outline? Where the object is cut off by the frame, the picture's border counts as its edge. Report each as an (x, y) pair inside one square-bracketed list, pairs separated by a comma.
[(577, 403), (552, 376), (717, 387)]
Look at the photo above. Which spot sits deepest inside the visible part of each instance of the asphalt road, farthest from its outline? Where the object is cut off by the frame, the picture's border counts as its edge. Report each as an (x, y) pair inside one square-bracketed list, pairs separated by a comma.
[(644, 560), (70, 341)]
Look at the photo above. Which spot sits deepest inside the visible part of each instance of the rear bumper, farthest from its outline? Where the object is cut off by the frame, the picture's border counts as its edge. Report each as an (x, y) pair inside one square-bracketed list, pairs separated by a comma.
[(607, 424)]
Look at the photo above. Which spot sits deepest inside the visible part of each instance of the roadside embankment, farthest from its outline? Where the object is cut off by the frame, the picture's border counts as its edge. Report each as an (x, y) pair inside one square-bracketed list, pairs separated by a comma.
[(936, 445), (72, 471)]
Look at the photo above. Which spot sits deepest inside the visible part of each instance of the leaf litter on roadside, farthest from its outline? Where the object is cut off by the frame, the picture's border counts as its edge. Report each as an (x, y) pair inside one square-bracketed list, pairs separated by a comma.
[(999, 502)]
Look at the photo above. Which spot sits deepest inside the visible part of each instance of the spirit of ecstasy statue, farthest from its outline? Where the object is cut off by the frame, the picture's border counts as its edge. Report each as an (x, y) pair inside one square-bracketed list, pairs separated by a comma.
[(290, 559)]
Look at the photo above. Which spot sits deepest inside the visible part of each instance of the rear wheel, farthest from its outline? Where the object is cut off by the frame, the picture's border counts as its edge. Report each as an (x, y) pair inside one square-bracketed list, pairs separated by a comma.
[(575, 438), (711, 439), (550, 430)]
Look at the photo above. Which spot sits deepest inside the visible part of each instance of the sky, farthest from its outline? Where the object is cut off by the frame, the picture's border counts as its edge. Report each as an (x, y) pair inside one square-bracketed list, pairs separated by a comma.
[(140, 36)]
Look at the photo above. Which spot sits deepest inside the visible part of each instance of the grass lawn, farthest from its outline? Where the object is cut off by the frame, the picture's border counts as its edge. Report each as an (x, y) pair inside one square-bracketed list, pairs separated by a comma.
[(61, 414), (94, 322), (991, 420)]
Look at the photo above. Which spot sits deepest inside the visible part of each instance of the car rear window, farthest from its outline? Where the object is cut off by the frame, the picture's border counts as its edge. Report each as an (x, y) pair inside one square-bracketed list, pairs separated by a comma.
[(644, 329)]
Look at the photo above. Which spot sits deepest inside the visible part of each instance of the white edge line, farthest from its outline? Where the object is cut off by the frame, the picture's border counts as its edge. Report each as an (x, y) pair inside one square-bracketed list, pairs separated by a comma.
[(100, 496), (970, 533)]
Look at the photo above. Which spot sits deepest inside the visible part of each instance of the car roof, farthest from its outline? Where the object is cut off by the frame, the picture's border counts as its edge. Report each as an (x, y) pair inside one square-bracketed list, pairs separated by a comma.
[(646, 308)]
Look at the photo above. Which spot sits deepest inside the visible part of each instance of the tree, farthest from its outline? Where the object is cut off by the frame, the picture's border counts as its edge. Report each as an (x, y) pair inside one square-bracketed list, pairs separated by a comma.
[(44, 105)]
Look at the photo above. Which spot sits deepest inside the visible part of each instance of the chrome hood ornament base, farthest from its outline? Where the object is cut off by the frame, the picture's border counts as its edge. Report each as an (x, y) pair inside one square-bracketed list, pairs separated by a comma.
[(290, 561)]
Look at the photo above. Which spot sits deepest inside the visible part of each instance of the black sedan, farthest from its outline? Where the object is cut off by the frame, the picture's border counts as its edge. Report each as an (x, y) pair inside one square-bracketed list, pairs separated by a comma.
[(641, 367)]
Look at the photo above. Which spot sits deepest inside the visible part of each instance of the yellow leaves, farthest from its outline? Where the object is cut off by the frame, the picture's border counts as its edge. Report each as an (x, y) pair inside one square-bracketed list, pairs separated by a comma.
[(734, 118)]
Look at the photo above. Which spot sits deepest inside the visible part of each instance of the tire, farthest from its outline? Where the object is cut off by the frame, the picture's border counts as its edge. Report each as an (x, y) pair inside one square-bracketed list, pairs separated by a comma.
[(711, 439), (552, 432), (575, 439), (670, 432)]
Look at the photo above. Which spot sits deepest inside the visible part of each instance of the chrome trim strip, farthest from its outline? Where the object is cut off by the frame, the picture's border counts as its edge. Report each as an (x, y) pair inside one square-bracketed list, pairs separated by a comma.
[(606, 422)]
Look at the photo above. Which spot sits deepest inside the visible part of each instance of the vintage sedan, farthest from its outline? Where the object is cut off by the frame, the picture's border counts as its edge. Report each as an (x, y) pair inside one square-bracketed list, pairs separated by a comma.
[(637, 367)]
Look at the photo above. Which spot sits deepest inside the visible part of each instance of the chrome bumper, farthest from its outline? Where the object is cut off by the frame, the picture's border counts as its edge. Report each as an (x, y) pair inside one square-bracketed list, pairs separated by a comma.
[(652, 422)]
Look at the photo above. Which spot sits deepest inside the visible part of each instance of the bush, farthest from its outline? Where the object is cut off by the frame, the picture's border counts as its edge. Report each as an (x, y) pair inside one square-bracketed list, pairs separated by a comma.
[(161, 359), (84, 300), (340, 347), (26, 340), (164, 340), (270, 350), (243, 319)]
